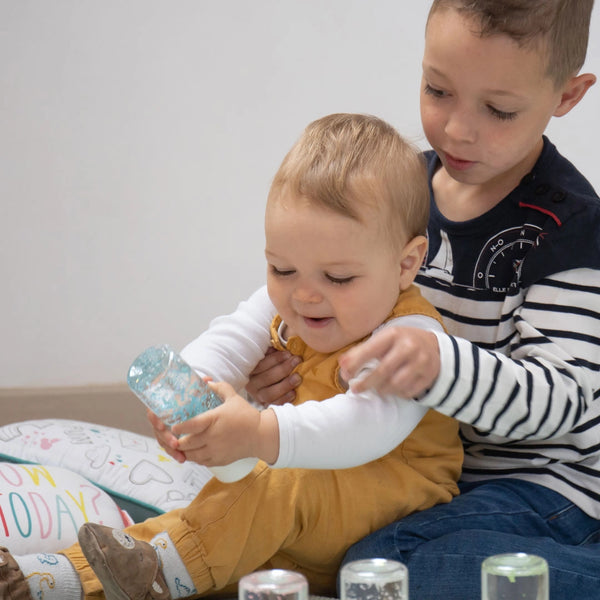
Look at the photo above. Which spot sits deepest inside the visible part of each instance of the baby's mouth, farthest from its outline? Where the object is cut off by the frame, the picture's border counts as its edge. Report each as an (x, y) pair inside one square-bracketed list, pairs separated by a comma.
[(317, 322)]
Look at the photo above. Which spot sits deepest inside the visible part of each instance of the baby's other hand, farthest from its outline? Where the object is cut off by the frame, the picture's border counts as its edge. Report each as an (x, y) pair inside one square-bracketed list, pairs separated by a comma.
[(407, 362), (232, 431), (164, 436)]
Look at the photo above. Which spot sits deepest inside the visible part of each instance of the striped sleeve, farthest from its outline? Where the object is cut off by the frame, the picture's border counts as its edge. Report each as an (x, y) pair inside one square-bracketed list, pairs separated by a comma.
[(547, 376)]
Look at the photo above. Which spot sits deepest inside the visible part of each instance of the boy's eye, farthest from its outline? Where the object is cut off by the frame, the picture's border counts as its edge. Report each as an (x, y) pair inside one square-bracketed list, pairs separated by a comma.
[(281, 272), (434, 91), (501, 114), (340, 280)]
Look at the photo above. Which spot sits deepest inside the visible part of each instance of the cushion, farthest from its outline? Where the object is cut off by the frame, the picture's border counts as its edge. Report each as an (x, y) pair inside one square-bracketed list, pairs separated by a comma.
[(137, 473), (43, 507)]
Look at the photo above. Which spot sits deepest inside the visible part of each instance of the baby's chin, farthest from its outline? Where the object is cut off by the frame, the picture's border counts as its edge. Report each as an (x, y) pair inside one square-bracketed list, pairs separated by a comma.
[(328, 343)]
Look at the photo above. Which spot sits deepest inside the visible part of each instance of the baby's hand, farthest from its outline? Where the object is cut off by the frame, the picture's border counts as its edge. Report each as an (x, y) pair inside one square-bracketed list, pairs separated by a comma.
[(165, 437), (408, 362), (229, 432)]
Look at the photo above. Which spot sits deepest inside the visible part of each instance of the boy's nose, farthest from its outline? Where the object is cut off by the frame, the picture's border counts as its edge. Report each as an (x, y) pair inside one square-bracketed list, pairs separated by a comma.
[(460, 126)]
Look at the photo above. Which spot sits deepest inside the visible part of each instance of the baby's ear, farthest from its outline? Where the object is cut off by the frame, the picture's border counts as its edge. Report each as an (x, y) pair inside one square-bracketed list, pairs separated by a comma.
[(411, 259), (573, 91)]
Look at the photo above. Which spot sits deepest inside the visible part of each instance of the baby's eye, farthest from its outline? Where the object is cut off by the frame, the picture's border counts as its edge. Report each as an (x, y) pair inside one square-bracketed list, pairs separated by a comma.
[(501, 114), (281, 272), (436, 93), (340, 280)]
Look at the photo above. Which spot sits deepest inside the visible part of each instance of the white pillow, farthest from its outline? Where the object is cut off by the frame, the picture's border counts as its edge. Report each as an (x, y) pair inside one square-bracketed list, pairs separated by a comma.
[(43, 507), (132, 468)]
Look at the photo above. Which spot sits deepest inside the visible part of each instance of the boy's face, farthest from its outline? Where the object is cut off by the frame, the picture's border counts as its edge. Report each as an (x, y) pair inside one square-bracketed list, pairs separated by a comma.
[(331, 278), (485, 102)]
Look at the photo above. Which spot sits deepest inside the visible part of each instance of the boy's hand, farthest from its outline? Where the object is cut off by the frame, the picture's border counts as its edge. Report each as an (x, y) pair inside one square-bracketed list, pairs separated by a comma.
[(229, 432), (165, 437), (272, 381), (409, 362)]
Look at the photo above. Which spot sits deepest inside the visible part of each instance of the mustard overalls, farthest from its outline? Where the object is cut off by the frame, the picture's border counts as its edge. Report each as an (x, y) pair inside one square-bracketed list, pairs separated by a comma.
[(305, 519)]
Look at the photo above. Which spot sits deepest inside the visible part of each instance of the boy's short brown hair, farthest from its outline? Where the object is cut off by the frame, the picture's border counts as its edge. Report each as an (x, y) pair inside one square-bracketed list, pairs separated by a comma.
[(561, 25), (345, 159)]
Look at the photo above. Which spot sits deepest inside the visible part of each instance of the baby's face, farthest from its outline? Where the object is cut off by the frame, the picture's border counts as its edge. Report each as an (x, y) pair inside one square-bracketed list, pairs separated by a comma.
[(331, 278), (485, 102)]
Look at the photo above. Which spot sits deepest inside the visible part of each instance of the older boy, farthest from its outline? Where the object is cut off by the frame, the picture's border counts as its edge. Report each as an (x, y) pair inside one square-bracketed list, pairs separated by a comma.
[(514, 267), (344, 231)]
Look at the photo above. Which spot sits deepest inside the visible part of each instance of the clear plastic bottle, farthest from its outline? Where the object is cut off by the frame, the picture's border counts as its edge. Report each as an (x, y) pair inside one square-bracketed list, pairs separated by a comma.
[(374, 579), (517, 576), (172, 390), (276, 584)]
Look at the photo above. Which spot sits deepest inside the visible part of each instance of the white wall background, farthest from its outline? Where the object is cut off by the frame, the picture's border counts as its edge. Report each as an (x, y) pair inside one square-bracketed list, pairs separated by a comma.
[(137, 143)]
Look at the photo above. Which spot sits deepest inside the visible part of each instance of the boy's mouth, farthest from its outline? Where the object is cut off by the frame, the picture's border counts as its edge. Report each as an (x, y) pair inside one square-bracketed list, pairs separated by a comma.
[(456, 163)]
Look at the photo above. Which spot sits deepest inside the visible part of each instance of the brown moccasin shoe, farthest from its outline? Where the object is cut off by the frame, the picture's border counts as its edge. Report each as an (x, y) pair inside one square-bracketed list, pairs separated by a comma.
[(13, 585), (127, 568)]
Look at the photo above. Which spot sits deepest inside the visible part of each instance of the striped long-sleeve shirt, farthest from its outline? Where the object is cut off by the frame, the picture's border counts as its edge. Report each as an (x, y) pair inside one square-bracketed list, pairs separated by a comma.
[(521, 283)]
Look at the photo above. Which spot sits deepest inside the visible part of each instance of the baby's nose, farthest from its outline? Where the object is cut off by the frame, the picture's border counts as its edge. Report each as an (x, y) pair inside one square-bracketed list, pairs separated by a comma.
[(307, 295)]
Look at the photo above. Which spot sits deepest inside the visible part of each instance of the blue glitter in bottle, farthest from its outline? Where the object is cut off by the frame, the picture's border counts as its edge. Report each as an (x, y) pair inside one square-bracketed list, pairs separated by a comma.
[(168, 386), (172, 390)]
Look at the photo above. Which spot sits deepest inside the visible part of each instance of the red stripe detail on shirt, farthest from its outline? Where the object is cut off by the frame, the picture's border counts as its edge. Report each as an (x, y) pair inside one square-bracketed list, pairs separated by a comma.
[(542, 210)]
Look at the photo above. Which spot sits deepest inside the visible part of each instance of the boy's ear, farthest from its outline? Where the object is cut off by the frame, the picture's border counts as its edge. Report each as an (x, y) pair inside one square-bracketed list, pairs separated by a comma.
[(411, 259), (573, 91)]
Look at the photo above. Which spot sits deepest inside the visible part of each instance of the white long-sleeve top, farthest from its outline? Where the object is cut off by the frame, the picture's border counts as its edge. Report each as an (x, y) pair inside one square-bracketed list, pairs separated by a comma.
[(232, 346)]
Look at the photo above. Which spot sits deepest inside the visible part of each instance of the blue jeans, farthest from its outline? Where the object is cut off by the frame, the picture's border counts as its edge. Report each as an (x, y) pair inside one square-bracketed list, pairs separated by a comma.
[(444, 546)]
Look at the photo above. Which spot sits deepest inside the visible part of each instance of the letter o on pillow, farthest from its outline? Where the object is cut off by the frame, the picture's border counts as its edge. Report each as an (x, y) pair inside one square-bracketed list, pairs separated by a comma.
[(43, 507)]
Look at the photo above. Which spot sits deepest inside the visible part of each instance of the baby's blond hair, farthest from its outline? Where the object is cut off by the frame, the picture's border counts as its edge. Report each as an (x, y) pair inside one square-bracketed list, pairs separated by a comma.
[(345, 159)]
